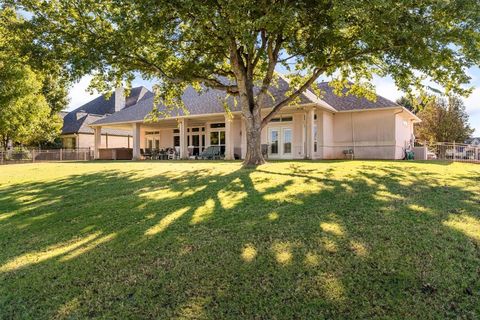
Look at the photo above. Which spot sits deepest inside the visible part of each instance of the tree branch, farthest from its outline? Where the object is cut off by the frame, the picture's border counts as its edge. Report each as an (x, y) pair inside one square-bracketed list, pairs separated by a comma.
[(316, 73), (272, 52)]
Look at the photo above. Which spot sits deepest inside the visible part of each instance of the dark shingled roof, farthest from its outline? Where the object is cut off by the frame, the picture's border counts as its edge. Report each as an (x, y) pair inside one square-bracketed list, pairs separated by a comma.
[(78, 120), (208, 102), (352, 102), (212, 101)]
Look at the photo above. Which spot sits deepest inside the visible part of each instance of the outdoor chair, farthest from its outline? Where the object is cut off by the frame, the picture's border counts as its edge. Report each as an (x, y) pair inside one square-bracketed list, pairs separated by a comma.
[(265, 151), (211, 153), (147, 153), (171, 154)]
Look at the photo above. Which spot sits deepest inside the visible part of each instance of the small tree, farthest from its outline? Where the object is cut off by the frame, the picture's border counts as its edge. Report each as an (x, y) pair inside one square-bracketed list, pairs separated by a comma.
[(443, 120), (236, 46), (22, 106)]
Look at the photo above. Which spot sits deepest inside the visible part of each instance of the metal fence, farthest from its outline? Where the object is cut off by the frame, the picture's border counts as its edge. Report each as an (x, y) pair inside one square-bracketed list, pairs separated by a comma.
[(38, 155), (449, 151)]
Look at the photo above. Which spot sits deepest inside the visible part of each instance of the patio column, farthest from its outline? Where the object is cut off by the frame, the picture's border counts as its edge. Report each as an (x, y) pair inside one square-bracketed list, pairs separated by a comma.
[(136, 141), (228, 138), (97, 141), (244, 138), (183, 139), (310, 139)]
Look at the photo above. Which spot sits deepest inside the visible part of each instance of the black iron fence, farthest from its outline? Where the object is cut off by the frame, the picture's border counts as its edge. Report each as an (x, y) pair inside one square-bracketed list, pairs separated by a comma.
[(449, 151)]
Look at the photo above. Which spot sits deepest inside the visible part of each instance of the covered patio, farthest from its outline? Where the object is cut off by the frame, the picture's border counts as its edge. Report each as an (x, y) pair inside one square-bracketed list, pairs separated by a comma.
[(179, 138)]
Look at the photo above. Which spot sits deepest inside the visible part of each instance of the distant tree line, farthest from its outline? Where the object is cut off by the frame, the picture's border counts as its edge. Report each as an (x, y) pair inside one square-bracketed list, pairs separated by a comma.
[(444, 119)]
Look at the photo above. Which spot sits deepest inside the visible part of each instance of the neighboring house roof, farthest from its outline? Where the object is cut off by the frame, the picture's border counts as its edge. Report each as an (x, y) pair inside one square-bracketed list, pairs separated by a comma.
[(78, 120), (473, 141), (211, 101), (352, 102)]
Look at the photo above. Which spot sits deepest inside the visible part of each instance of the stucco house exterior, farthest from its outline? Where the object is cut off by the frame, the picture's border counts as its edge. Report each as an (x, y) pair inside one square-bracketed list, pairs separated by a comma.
[(326, 127), (76, 132)]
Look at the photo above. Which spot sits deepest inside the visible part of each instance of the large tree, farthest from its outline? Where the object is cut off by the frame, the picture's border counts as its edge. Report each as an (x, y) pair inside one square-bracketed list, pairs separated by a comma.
[(443, 120), (32, 90), (236, 45)]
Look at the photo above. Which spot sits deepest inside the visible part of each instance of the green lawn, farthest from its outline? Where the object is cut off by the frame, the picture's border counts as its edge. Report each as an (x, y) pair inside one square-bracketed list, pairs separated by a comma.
[(198, 240)]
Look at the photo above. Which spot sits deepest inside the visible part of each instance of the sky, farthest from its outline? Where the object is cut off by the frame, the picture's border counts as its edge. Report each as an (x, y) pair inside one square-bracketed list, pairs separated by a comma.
[(384, 87)]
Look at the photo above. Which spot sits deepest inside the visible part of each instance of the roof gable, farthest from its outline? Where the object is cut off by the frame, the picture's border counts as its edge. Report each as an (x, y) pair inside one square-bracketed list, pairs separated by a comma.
[(349, 102), (78, 120)]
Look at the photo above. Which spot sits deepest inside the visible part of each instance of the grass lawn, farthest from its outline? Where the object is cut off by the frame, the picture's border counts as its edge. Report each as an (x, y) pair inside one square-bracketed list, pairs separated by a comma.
[(200, 240)]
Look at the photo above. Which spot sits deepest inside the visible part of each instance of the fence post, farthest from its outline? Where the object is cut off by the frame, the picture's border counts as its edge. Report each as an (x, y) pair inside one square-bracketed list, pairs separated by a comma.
[(61, 154), (454, 151)]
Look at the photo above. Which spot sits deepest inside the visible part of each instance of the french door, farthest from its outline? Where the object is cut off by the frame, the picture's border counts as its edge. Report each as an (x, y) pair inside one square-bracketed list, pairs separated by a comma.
[(280, 142)]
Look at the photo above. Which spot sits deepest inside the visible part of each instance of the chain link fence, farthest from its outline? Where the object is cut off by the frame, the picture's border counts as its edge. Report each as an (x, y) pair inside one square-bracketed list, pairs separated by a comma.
[(24, 155)]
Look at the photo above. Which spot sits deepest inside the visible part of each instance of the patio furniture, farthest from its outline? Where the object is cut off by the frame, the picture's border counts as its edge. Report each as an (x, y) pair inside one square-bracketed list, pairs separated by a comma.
[(171, 154), (211, 153), (265, 151), (162, 154), (348, 153), (146, 153)]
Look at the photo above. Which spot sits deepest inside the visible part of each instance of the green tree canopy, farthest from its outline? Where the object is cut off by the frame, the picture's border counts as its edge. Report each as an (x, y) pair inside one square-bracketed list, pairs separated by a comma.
[(443, 120), (32, 90), (23, 108), (190, 42)]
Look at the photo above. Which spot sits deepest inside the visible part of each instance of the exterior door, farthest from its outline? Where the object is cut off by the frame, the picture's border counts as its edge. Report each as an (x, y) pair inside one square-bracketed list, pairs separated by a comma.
[(280, 142)]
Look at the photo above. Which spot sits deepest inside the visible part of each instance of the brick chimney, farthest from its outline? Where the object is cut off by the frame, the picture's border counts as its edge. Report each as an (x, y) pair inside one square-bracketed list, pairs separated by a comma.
[(119, 99)]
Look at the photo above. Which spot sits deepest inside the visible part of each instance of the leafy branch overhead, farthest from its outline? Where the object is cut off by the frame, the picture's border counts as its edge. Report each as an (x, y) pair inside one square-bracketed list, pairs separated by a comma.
[(236, 46)]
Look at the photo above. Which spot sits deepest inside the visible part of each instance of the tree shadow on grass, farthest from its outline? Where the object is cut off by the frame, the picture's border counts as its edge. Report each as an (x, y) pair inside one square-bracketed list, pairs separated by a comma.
[(282, 241)]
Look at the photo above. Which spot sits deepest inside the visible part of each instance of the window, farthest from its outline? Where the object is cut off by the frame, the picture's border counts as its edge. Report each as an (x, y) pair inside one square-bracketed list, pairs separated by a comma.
[(176, 141), (274, 141), (282, 119), (69, 143), (176, 130), (287, 141), (315, 138), (217, 125), (217, 138)]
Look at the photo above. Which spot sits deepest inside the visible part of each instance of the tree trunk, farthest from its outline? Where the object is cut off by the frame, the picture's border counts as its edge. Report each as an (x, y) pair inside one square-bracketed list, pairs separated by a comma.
[(253, 127)]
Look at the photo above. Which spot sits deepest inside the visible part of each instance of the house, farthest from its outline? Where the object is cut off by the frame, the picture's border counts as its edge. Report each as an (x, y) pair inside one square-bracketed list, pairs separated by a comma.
[(326, 127), (76, 130), (475, 142)]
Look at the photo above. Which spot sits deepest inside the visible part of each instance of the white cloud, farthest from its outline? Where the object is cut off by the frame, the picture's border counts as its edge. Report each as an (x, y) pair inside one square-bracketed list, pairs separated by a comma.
[(78, 93), (387, 88)]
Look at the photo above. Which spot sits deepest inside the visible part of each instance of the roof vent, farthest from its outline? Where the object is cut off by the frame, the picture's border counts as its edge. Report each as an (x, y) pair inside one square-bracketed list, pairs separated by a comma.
[(81, 114)]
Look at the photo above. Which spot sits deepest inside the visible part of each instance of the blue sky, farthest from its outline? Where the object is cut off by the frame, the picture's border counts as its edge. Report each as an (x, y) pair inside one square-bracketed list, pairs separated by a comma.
[(384, 86)]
